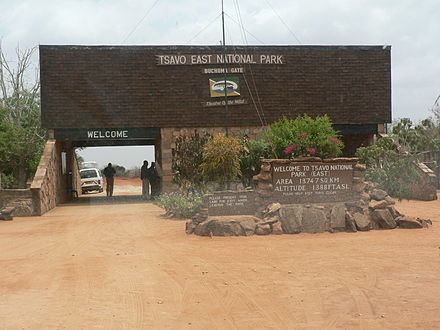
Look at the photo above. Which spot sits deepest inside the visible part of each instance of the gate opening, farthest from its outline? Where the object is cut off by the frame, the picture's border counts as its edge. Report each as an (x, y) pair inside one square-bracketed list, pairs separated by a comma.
[(127, 162)]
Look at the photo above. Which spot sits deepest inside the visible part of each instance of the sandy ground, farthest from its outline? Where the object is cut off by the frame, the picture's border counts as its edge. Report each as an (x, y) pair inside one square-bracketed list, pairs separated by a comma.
[(125, 267), (122, 186)]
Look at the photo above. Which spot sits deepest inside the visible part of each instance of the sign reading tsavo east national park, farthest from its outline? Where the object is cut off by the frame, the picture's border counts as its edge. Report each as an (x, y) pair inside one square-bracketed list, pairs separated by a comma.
[(231, 203), (206, 59), (312, 182)]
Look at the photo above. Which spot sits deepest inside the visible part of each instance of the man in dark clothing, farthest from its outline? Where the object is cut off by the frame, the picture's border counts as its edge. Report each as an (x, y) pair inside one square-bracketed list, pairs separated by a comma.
[(109, 173), (155, 180), (145, 176)]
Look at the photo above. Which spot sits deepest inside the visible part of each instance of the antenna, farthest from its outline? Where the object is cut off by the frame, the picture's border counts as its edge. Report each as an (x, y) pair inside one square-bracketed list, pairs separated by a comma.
[(225, 69)]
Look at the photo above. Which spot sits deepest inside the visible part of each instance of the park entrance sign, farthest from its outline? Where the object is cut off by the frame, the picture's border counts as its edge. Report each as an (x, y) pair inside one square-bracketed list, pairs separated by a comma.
[(313, 182), (311, 195)]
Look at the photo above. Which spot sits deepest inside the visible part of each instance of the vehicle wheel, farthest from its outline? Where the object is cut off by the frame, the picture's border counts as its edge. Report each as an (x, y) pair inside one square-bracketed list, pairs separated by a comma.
[(101, 190)]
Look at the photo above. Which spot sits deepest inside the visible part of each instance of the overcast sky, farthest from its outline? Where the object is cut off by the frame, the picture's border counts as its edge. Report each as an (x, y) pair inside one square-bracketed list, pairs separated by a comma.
[(411, 27)]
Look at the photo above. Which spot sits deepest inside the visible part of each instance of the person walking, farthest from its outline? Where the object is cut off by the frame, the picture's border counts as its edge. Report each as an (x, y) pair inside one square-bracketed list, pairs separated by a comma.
[(145, 176), (109, 173)]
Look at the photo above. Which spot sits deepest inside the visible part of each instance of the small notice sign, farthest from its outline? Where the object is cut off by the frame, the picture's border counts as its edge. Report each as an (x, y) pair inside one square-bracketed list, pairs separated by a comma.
[(231, 203)]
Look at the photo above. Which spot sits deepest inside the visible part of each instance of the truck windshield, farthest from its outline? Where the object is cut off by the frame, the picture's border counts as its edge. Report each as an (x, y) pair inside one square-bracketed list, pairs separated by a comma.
[(88, 174)]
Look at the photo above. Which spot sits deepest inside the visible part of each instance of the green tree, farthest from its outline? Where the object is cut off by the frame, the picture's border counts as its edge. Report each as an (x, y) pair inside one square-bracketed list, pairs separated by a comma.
[(21, 136), (416, 138)]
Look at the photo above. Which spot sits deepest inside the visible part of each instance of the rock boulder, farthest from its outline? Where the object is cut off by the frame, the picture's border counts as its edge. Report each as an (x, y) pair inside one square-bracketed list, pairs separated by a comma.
[(263, 229), (337, 217), (227, 226), (291, 219), (409, 222), (384, 218), (378, 194), (314, 220), (362, 222)]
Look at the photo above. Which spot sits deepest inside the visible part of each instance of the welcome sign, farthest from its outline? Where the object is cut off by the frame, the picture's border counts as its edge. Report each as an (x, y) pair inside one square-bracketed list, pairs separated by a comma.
[(313, 182), (218, 86)]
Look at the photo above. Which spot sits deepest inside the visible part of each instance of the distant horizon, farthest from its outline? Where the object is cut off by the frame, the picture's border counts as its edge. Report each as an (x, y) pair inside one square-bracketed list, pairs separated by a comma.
[(128, 156)]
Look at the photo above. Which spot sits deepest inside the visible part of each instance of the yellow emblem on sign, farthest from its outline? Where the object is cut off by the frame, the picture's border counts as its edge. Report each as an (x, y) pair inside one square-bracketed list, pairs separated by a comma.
[(217, 87)]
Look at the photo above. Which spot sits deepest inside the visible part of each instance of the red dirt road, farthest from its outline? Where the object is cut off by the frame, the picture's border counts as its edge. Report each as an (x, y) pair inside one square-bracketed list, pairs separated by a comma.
[(125, 267)]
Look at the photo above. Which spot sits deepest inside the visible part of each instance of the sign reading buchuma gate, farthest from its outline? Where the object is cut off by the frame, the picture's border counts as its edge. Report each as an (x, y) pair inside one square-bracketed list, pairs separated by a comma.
[(312, 182)]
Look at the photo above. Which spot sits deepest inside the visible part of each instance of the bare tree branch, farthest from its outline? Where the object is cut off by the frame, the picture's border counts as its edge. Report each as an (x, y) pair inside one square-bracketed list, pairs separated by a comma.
[(2, 80)]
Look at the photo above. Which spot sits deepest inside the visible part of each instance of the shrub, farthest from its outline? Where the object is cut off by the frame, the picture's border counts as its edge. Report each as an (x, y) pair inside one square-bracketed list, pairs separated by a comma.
[(392, 170), (7, 181), (396, 178), (391, 160), (304, 136), (250, 159), (380, 155), (187, 159), (180, 205), (221, 159)]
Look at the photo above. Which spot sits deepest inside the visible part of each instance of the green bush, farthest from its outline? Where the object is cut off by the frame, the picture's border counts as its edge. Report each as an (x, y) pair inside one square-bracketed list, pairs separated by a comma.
[(187, 159), (382, 154), (304, 136), (7, 181), (179, 205), (393, 170), (250, 159), (221, 159), (396, 178), (391, 160)]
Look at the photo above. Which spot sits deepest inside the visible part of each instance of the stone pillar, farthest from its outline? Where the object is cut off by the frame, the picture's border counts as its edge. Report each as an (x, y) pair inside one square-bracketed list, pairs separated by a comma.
[(166, 159)]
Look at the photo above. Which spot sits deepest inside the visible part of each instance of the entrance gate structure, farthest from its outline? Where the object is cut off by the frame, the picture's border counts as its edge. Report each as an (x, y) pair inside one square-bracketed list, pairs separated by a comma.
[(148, 95)]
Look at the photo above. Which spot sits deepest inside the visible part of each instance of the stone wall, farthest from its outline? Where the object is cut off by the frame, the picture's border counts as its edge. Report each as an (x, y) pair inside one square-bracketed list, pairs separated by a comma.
[(316, 207), (432, 159), (76, 177), (426, 188), (45, 183), (50, 186), (168, 136), (20, 199)]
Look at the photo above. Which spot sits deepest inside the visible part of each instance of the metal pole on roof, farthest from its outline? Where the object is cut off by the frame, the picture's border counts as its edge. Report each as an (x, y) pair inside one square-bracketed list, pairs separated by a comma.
[(225, 69)]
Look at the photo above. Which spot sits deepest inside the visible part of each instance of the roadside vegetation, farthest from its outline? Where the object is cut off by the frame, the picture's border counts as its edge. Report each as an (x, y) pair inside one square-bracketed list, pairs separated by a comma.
[(178, 205), (21, 137), (201, 159), (391, 160), (303, 136)]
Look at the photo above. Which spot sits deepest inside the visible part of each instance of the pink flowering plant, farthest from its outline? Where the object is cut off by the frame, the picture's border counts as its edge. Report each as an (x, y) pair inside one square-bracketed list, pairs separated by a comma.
[(304, 136)]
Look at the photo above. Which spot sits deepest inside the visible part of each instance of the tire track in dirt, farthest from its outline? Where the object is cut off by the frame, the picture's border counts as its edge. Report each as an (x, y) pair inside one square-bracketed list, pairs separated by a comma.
[(227, 291)]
